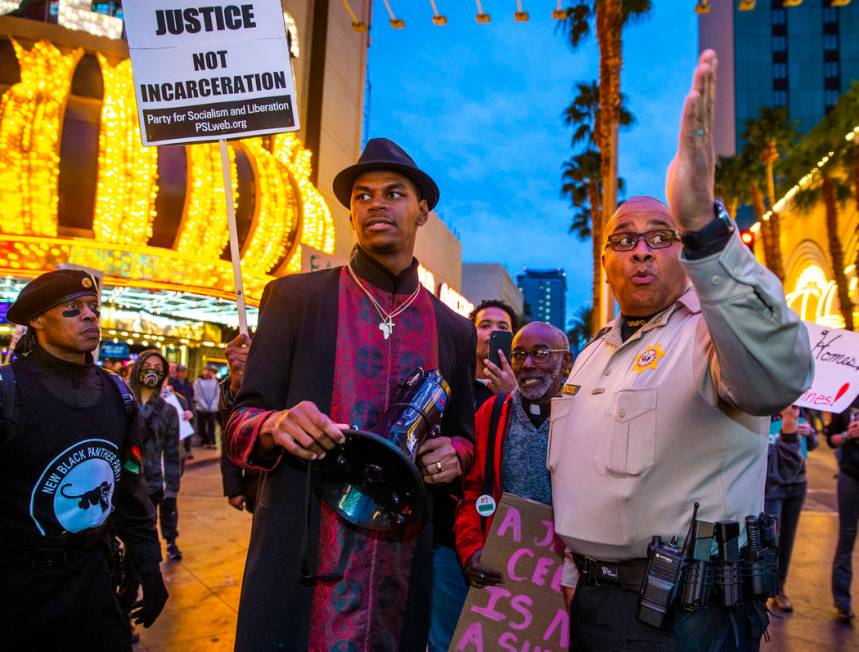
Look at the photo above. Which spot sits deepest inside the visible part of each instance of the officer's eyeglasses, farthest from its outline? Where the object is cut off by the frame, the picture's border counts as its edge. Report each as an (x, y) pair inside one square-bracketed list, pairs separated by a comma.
[(657, 239), (540, 356)]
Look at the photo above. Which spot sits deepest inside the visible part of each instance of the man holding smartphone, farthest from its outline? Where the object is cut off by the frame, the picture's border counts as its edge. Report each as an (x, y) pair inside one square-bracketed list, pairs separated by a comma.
[(493, 372), (511, 435)]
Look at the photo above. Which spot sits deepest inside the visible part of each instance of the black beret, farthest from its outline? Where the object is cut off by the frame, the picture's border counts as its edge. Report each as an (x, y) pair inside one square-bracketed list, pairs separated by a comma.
[(49, 290)]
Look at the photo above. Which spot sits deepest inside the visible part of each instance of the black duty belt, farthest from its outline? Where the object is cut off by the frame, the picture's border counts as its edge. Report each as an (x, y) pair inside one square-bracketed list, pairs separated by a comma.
[(627, 574), (20, 545)]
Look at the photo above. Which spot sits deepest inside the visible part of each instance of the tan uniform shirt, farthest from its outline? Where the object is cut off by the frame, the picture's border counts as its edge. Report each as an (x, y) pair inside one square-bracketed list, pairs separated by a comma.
[(678, 413)]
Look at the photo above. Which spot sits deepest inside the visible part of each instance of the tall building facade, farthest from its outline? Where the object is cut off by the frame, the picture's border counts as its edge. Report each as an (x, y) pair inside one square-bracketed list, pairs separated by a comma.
[(801, 54), (545, 294), (483, 281), (798, 54)]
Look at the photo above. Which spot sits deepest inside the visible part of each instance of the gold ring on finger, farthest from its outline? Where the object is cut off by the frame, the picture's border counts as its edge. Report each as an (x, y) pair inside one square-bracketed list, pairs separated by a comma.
[(438, 467)]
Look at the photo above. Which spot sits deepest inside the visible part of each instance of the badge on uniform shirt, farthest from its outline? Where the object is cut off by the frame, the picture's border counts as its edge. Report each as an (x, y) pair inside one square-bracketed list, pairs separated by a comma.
[(648, 359), (570, 390), (485, 505)]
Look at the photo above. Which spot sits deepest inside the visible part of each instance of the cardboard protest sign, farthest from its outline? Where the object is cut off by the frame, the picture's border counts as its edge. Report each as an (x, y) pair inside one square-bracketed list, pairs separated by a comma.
[(836, 369), (526, 613), (210, 69)]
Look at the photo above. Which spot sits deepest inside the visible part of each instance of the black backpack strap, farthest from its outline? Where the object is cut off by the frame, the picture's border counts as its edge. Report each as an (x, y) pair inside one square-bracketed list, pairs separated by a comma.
[(489, 464), (129, 403), (7, 393)]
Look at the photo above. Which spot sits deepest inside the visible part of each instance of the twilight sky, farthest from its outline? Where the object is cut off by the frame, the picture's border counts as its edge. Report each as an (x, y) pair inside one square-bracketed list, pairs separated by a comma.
[(479, 108)]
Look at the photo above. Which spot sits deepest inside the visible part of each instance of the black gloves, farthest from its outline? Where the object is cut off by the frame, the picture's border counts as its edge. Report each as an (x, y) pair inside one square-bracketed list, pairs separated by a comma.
[(155, 595)]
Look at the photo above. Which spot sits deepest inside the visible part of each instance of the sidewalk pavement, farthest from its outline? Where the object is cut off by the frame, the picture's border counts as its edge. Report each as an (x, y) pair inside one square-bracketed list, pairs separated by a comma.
[(204, 587)]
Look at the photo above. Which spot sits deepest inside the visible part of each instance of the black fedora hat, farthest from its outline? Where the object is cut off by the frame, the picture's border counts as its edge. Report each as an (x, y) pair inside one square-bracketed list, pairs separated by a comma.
[(384, 154)]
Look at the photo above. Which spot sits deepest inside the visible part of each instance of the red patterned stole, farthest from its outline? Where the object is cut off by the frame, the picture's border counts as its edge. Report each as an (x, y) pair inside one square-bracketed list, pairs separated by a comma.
[(364, 610)]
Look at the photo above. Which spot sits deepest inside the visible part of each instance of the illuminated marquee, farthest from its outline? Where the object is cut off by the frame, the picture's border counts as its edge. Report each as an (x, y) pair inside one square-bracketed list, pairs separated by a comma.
[(287, 210), (815, 297)]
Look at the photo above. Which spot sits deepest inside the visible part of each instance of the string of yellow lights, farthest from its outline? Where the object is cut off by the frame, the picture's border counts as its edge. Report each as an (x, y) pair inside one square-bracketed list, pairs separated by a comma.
[(31, 113), (275, 213), (804, 181), (203, 229), (288, 210), (317, 225), (127, 171)]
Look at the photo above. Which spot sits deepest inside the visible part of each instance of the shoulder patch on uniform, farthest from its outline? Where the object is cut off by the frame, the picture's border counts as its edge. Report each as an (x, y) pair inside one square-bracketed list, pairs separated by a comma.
[(570, 390)]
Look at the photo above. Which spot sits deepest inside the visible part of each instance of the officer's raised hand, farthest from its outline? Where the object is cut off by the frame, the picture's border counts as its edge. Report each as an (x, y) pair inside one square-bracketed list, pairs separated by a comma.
[(692, 172), (479, 576), (155, 595)]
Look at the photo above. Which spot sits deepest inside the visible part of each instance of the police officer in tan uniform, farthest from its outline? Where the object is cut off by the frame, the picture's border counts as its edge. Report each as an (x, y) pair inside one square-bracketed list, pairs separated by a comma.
[(669, 406)]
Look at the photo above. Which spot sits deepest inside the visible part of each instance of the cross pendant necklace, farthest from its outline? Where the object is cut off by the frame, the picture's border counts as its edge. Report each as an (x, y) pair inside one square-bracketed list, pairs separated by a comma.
[(387, 327), (387, 323)]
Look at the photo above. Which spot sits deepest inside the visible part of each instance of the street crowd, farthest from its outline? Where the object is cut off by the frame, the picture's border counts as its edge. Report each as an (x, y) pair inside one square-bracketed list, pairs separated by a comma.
[(677, 419)]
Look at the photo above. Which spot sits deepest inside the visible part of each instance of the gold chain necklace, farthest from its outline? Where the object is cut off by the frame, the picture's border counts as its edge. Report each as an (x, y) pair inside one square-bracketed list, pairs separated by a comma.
[(387, 323)]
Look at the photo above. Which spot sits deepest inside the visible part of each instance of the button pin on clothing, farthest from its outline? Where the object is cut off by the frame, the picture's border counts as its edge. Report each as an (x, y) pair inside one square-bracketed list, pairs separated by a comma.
[(716, 280), (485, 505)]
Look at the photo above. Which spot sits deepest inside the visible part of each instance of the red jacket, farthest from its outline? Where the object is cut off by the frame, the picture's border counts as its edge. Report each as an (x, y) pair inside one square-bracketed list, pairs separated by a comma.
[(469, 526)]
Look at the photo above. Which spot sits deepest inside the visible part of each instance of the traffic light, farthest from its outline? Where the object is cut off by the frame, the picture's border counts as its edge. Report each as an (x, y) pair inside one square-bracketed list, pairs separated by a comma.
[(748, 238)]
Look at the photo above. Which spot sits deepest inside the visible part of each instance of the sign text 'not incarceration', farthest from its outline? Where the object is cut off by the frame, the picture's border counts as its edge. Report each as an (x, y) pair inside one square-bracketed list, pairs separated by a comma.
[(208, 72)]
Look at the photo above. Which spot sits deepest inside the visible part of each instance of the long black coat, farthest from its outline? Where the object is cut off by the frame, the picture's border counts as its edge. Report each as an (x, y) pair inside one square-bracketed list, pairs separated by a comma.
[(292, 360)]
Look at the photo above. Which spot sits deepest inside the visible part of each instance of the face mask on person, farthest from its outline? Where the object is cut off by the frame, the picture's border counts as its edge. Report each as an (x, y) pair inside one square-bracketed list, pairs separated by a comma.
[(150, 377)]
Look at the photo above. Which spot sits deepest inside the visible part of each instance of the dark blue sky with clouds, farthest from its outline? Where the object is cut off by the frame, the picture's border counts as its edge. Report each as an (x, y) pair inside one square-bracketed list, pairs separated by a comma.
[(479, 107)]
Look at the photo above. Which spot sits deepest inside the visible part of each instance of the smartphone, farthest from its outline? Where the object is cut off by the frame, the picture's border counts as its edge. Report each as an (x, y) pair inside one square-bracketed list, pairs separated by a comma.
[(500, 340)]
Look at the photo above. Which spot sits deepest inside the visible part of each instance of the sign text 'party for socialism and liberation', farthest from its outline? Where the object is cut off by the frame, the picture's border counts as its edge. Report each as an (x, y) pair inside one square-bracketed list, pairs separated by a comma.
[(213, 71)]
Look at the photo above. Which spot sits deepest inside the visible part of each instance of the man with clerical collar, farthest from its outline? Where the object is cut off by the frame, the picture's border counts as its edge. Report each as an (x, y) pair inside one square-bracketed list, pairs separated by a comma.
[(511, 433), (667, 411), (331, 348)]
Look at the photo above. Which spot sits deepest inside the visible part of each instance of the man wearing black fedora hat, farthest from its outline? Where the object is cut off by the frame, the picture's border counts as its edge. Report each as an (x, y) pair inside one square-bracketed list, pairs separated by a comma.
[(70, 477), (331, 348)]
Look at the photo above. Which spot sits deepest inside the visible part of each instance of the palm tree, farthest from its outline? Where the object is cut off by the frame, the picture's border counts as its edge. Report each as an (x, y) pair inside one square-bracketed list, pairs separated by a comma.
[(732, 183), (583, 114), (610, 16), (770, 136), (842, 120), (581, 329), (828, 186), (581, 183), (582, 173)]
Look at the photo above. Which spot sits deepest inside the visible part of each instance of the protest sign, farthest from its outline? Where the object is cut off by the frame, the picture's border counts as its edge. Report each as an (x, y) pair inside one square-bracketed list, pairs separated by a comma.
[(836, 369), (210, 69), (526, 612), (185, 427)]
